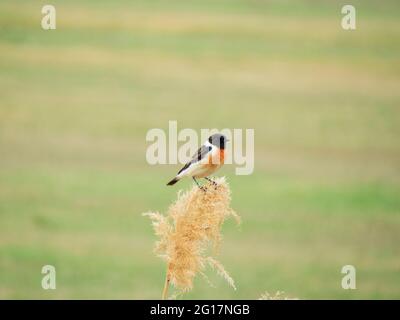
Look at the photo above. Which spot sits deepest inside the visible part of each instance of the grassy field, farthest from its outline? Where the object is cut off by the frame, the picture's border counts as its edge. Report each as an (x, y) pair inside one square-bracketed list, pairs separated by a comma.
[(76, 103)]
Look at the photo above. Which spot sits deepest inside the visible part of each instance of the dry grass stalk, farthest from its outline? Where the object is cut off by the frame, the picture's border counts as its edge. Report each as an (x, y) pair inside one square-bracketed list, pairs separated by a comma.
[(192, 225), (279, 295)]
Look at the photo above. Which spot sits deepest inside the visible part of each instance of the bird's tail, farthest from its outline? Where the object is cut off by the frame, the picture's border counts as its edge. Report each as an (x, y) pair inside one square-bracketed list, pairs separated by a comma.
[(173, 181)]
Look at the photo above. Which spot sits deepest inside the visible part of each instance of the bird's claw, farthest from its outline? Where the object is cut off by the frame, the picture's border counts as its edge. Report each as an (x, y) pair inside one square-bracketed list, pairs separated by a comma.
[(213, 183)]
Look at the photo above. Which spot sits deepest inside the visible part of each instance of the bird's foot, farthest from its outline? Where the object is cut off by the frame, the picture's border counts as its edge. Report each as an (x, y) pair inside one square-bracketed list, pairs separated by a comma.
[(213, 183)]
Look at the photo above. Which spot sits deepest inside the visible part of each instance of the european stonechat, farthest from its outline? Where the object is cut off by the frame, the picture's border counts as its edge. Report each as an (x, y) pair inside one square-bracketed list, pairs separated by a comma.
[(208, 159)]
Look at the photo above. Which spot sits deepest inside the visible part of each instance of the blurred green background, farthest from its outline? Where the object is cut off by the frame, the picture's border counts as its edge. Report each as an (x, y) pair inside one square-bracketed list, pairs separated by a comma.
[(76, 103)]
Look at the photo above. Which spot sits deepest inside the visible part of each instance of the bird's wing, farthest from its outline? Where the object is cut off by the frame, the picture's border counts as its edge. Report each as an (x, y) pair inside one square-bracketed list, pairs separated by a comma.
[(198, 156)]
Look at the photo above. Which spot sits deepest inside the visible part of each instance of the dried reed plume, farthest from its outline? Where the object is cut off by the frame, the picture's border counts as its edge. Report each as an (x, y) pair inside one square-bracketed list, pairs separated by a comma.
[(192, 225)]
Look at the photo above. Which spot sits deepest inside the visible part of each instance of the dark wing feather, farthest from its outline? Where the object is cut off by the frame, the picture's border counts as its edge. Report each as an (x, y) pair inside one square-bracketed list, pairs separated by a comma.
[(198, 156)]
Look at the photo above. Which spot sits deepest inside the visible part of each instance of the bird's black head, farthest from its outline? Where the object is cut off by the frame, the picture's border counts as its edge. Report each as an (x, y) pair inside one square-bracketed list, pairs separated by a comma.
[(218, 140)]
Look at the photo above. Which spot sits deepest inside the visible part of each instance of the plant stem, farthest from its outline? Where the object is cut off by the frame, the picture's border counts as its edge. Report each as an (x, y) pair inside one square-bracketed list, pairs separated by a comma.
[(166, 285)]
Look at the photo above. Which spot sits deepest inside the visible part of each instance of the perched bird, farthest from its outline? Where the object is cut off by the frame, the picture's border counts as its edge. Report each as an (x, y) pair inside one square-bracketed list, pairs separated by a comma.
[(208, 159)]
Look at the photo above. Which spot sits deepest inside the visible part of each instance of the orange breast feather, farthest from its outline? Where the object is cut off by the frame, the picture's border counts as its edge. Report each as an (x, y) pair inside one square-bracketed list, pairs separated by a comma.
[(221, 156), (215, 161)]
